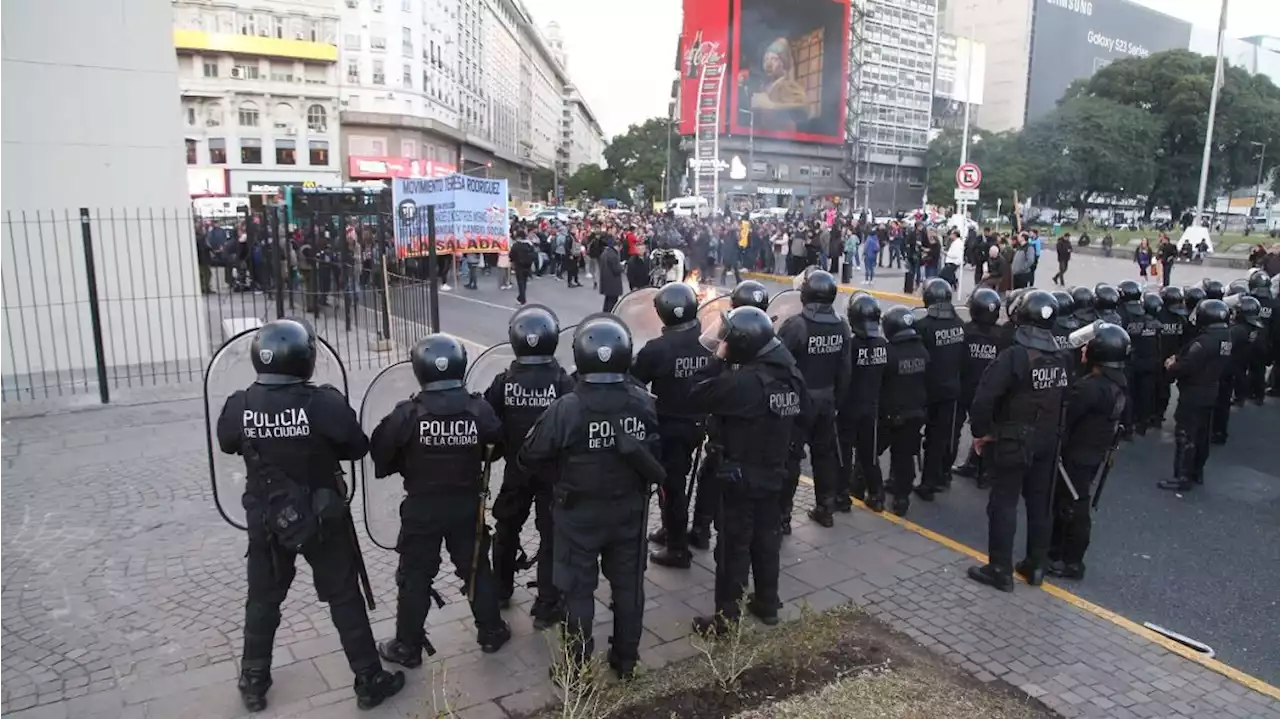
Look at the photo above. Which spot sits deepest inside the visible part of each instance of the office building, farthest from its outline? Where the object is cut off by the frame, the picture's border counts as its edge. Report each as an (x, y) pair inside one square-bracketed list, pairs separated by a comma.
[(582, 140)]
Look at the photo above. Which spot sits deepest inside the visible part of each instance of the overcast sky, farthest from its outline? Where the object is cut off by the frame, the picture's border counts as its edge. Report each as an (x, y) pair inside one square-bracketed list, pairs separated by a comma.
[(622, 58)]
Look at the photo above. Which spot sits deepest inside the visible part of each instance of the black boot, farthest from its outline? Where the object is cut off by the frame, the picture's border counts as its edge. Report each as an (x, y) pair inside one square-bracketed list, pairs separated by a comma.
[(397, 652), (822, 516), (925, 493), (786, 524), (700, 537), (624, 667), (766, 613), (992, 576), (1032, 574), (491, 640), (842, 505), (669, 557), (659, 537), (546, 614), (714, 626), (377, 686), (255, 680), (901, 504), (876, 502), (1061, 569)]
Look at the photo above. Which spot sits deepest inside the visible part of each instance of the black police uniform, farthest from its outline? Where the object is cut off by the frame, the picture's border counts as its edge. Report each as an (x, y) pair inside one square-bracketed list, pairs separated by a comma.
[(595, 436), (519, 395), (984, 341), (1234, 377), (1268, 342), (904, 402), (1064, 323), (1083, 298), (437, 442), (1173, 335), (1144, 330), (758, 397), (1095, 408), (1106, 304), (1017, 410), (859, 412), (667, 365), (1198, 368), (942, 333), (818, 338), (289, 429)]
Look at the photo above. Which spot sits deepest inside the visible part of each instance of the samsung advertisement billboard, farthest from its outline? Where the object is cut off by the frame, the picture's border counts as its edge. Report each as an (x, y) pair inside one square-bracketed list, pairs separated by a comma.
[(1072, 39)]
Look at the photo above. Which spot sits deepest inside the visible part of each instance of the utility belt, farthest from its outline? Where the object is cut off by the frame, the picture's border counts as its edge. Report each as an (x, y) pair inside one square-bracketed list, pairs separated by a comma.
[(566, 498)]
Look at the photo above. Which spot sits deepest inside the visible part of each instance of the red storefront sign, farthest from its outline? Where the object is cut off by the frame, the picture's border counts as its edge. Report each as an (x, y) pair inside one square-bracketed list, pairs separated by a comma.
[(367, 167)]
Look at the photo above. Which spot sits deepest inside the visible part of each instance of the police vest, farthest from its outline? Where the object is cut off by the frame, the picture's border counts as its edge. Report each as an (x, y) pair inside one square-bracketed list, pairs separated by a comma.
[(683, 356), (758, 446), (594, 467), (819, 360), (527, 391), (983, 345), (443, 453), (1035, 405)]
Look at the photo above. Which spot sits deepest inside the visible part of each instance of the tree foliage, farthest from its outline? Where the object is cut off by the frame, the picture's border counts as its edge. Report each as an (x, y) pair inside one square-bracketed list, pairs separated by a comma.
[(590, 180), (544, 183), (638, 158), (1006, 169)]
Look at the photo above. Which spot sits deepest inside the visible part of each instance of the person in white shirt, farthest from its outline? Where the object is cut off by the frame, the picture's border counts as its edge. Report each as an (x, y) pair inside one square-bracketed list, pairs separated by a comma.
[(953, 259)]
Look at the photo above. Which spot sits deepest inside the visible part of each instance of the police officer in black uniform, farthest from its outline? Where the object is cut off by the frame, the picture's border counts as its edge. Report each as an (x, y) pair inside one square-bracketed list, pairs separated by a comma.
[(904, 403), (438, 441), (818, 338), (1095, 408), (667, 365), (859, 411), (1016, 419), (1144, 335), (1173, 335), (1243, 332), (1193, 296), (603, 438), (519, 395), (1064, 324), (749, 293), (1198, 368), (1265, 350), (756, 394), (1130, 301), (984, 342), (293, 435), (1083, 299), (1213, 289), (942, 333), (1106, 304)]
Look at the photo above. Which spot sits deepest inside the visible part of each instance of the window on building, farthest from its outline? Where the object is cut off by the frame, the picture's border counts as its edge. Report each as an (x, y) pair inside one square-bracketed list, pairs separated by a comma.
[(319, 152), (353, 71), (406, 42), (277, 27), (282, 116), (245, 71), (248, 24), (191, 151), (804, 170), (317, 119), (826, 171), (210, 69), (286, 152), (377, 5), (377, 42), (248, 115), (407, 79), (313, 31), (217, 151), (379, 74), (351, 40), (250, 151), (406, 5), (409, 148), (281, 75), (353, 4), (191, 115)]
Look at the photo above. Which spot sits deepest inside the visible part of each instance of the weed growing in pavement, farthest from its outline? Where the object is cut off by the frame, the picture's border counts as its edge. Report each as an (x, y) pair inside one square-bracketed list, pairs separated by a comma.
[(731, 654), (583, 689), (443, 699)]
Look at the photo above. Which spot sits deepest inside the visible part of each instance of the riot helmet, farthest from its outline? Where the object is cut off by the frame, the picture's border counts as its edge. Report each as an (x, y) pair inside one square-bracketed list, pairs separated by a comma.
[(1011, 300), (984, 306), (1082, 298), (819, 288), (676, 304), (1037, 309), (749, 293), (1105, 297), (1211, 313), (1192, 297), (439, 362), (1260, 284), (936, 291), (1237, 287), (1130, 291), (602, 349), (1109, 346), (1249, 312), (1066, 305), (864, 315), (534, 333), (1174, 300), (284, 352), (899, 323), (1213, 289), (1152, 304), (747, 333)]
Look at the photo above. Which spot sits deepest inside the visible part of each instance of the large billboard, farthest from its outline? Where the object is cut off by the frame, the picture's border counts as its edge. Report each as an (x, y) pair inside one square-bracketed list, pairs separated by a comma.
[(959, 70), (789, 78), (1072, 39), (704, 40)]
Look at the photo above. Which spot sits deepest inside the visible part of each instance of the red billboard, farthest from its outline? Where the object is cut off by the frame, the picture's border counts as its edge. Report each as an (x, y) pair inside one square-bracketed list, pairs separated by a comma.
[(704, 40), (789, 69)]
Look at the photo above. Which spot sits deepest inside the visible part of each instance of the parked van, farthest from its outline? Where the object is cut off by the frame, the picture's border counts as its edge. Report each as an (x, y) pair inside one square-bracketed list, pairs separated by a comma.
[(690, 207)]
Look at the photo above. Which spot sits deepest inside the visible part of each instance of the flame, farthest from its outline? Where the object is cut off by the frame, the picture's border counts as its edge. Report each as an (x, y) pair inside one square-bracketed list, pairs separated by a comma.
[(701, 291)]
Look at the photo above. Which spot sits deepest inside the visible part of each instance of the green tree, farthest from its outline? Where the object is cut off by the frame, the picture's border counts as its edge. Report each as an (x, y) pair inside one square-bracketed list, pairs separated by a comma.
[(1005, 167), (638, 158), (589, 179), (544, 184), (1089, 146)]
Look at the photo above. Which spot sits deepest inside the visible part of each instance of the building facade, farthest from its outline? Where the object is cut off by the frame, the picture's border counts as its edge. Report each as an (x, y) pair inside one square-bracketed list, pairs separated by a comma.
[(259, 91), (582, 139)]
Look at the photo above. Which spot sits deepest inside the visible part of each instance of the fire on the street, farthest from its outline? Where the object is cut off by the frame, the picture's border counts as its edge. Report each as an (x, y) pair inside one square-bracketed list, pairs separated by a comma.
[(703, 292)]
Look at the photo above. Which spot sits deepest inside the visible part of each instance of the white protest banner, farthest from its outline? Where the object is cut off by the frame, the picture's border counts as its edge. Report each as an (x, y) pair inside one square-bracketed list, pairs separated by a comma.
[(471, 214)]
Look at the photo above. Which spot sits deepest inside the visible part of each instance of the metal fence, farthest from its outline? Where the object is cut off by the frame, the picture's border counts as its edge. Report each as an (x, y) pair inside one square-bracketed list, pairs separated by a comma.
[(96, 301)]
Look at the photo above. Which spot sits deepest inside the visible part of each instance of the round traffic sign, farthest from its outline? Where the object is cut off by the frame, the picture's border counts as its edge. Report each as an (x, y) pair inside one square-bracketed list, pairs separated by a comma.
[(968, 176)]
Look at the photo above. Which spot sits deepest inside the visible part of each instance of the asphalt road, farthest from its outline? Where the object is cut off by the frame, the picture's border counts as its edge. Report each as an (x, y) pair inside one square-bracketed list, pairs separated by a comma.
[(1202, 564)]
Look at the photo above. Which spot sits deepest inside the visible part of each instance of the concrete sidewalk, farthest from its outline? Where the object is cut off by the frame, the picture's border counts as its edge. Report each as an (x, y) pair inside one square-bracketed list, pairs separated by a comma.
[(123, 595)]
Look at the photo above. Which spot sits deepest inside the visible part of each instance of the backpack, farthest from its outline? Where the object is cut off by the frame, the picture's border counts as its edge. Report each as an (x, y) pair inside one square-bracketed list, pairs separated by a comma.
[(293, 512)]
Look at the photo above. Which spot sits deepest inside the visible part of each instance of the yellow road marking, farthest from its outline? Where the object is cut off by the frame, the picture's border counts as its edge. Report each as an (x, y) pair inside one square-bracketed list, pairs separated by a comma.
[(1181, 650), (845, 288)]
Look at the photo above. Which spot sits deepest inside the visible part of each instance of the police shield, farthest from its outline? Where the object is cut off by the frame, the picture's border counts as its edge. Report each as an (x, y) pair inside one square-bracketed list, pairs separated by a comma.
[(564, 349), (710, 316), (382, 497), (230, 370), (784, 305), (636, 310)]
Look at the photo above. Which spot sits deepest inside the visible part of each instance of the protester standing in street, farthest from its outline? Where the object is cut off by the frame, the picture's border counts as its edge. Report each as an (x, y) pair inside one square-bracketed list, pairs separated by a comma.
[(610, 270), (1064, 258)]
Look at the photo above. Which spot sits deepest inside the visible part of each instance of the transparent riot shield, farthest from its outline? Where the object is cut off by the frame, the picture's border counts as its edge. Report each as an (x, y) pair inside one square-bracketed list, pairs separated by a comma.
[(564, 349), (230, 370), (382, 497), (482, 370), (784, 305), (710, 316), (798, 280), (636, 310)]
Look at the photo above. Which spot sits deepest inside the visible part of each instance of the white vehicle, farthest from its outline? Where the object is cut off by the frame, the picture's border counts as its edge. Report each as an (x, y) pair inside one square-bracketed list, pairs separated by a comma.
[(767, 213), (690, 207), (553, 215), (220, 207)]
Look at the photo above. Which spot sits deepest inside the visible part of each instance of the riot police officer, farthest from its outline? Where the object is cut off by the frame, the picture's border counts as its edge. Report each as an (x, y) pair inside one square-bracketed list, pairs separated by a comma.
[(1095, 408), (438, 442), (859, 411), (1243, 332), (1193, 296), (1064, 324), (1016, 418), (1144, 330), (1083, 299), (984, 342), (293, 435), (1267, 348), (942, 334), (519, 395), (1198, 368), (1130, 307), (755, 392), (1213, 289), (904, 403), (604, 438), (667, 365), (1173, 334), (818, 339), (1106, 303), (749, 293)]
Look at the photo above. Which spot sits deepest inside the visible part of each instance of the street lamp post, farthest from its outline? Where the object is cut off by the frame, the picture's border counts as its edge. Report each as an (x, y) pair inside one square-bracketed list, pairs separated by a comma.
[(1213, 111), (1257, 194), (963, 206), (666, 173)]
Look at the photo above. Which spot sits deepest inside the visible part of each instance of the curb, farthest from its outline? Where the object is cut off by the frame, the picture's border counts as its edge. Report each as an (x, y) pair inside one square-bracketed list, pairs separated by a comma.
[(845, 288)]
